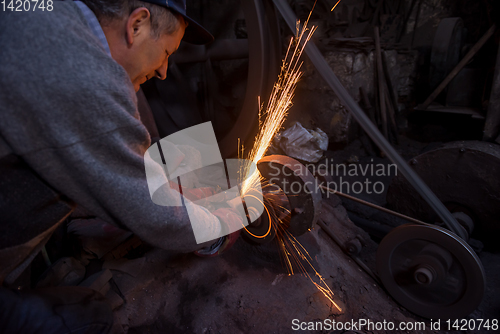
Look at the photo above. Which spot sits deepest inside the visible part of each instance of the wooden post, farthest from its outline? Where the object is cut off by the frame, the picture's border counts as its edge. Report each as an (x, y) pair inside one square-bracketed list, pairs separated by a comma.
[(459, 67), (392, 118), (391, 100), (492, 123), (381, 85)]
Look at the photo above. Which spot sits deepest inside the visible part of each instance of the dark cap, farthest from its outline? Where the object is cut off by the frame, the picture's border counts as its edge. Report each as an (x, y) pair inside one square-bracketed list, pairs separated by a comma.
[(195, 33)]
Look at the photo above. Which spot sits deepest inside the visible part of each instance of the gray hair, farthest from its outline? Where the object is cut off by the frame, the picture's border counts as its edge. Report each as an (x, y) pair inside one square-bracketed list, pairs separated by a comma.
[(163, 21)]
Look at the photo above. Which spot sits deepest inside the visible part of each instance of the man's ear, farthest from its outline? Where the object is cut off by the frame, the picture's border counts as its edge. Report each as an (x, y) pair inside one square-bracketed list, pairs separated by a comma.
[(137, 24)]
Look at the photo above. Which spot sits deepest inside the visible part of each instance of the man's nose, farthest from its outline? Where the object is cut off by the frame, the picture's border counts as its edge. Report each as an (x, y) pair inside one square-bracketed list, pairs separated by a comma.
[(161, 72)]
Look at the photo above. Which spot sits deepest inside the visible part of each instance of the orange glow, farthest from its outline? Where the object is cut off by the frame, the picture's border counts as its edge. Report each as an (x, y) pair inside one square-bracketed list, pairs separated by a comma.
[(294, 253), (280, 100), (268, 215), (275, 113)]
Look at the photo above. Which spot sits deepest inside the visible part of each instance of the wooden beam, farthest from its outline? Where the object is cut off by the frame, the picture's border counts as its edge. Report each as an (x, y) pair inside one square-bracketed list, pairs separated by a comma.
[(459, 66), (492, 124), (381, 84)]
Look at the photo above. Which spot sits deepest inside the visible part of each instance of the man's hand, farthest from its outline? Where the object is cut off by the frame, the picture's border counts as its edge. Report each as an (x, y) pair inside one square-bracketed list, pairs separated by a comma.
[(229, 219), (193, 194)]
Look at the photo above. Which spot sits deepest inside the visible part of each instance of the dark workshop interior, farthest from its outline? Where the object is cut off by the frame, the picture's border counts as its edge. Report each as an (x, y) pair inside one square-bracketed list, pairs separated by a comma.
[(393, 138)]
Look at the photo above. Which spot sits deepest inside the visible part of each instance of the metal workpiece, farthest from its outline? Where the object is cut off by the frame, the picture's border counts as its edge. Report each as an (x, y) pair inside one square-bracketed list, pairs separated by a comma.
[(263, 229), (278, 200), (431, 271), (292, 200), (299, 185), (274, 219), (350, 104)]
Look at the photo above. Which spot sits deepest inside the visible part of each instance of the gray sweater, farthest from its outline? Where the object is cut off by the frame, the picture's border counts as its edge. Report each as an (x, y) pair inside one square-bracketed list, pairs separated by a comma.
[(69, 111)]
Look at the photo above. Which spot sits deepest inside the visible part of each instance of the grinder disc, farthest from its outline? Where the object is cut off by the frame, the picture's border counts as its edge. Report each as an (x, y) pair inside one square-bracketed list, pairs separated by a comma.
[(300, 187), (262, 230), (431, 271)]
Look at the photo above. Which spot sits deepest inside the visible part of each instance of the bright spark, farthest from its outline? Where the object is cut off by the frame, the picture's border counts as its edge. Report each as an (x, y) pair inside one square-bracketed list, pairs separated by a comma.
[(280, 100), (335, 5), (295, 253), (275, 113)]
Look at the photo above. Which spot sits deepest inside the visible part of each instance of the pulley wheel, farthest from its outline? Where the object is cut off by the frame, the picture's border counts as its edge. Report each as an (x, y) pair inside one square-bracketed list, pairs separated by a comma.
[(298, 185), (431, 271)]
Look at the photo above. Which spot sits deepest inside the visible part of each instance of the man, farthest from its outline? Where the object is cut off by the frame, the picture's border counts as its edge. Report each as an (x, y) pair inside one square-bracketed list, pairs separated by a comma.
[(70, 132)]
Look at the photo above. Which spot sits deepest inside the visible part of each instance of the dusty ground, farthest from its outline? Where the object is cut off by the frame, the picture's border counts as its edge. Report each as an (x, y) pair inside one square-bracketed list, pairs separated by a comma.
[(247, 290)]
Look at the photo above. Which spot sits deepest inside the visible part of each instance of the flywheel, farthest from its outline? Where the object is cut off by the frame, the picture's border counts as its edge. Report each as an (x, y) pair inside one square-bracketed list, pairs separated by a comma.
[(431, 271)]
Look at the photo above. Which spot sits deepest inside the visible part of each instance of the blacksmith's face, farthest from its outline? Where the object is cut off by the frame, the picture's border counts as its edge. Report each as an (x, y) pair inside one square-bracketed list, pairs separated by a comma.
[(147, 56), (152, 61)]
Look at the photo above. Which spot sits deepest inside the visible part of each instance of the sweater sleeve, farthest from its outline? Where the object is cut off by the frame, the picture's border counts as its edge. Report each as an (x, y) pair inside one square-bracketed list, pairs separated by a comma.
[(69, 111)]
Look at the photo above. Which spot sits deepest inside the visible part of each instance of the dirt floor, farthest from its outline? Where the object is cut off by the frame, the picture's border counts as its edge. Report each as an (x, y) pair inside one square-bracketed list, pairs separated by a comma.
[(248, 289)]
